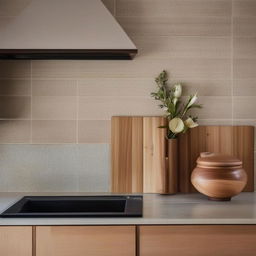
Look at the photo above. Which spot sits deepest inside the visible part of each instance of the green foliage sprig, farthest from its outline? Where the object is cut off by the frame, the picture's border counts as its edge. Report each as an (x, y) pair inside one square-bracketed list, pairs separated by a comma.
[(175, 109)]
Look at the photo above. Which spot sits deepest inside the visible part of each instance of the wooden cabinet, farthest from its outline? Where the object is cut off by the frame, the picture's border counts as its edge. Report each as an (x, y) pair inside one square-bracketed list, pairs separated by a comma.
[(15, 241), (175, 240), (85, 240), (198, 240)]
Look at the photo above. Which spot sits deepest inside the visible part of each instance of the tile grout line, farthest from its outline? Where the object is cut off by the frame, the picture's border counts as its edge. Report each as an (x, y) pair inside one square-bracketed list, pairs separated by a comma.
[(114, 8), (77, 111), (232, 65)]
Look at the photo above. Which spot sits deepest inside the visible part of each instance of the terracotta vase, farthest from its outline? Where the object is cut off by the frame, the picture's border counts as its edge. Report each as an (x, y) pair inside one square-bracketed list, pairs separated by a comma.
[(172, 166), (220, 177)]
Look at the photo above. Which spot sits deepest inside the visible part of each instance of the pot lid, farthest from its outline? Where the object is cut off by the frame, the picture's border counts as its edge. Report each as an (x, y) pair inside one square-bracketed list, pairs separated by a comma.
[(217, 160)]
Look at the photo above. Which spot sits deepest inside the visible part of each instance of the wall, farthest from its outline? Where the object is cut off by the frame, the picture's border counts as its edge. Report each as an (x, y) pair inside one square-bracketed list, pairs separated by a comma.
[(55, 115)]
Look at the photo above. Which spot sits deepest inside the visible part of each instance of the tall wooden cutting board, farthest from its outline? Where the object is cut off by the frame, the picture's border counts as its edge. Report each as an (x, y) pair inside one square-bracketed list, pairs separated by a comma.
[(138, 149), (231, 140), (139, 153), (154, 153), (127, 154)]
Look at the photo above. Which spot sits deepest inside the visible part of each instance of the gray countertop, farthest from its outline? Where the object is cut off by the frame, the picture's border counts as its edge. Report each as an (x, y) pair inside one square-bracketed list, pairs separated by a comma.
[(157, 210)]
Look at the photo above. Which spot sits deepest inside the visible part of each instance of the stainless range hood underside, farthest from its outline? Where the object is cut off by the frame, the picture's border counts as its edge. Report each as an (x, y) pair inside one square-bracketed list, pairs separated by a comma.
[(64, 29)]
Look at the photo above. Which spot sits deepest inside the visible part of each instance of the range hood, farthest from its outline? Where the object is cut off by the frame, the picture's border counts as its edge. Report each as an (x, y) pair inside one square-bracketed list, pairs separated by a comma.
[(64, 29)]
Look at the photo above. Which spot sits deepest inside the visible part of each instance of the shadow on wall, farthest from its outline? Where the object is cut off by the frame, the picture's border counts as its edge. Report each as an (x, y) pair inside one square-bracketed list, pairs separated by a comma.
[(15, 90), (13, 7), (15, 101)]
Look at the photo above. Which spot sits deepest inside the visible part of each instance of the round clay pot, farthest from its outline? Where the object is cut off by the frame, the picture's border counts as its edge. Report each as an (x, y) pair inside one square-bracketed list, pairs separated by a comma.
[(220, 177)]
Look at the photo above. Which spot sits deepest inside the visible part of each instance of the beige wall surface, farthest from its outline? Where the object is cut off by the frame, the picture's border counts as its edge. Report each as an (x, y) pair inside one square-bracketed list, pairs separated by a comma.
[(208, 45)]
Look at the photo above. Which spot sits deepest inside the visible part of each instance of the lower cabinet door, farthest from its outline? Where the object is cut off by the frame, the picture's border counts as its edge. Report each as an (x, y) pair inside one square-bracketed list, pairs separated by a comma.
[(195, 240), (85, 241), (15, 241)]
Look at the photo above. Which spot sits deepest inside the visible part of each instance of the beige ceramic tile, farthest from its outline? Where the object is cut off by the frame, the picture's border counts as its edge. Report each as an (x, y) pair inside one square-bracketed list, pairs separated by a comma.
[(244, 26), (177, 26), (185, 8), (15, 107), (244, 68), (200, 26), (54, 88), (244, 8), (202, 68), (102, 69), (14, 131), (145, 26), (200, 47), (96, 131), (193, 68), (102, 108), (142, 87), (150, 8), (152, 47), (179, 68), (205, 87), (214, 108), (173, 8), (53, 131), (136, 68), (244, 87), (14, 69), (244, 107), (43, 69), (15, 87), (53, 108), (12, 7), (110, 4), (215, 121), (129, 87), (245, 47), (251, 122)]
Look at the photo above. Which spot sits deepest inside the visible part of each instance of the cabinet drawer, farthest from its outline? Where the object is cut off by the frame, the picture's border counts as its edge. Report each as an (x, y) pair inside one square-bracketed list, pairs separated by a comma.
[(85, 240), (198, 240), (16, 241)]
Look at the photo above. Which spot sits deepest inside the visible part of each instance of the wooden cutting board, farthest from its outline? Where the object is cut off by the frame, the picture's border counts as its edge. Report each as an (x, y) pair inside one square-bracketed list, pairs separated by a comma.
[(139, 153), (127, 154), (232, 140)]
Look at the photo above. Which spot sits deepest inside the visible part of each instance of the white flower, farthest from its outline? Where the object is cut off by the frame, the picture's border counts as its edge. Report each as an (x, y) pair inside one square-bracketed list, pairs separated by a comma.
[(192, 100), (174, 101), (176, 125), (165, 109), (190, 123), (177, 90)]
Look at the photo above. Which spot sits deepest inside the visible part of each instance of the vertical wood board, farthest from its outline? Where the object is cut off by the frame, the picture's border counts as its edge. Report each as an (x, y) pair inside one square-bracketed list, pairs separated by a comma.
[(154, 155), (139, 152), (230, 140), (126, 154)]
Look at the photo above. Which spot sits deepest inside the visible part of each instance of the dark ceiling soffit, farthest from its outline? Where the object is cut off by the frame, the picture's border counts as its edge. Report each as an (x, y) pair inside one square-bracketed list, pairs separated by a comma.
[(65, 54)]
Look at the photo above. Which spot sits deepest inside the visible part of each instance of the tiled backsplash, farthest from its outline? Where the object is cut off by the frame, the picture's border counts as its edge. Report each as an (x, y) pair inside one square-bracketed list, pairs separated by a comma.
[(54, 168), (209, 45)]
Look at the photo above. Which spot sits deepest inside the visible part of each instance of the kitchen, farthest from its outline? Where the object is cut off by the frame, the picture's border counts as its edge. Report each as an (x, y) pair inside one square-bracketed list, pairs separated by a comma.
[(68, 69)]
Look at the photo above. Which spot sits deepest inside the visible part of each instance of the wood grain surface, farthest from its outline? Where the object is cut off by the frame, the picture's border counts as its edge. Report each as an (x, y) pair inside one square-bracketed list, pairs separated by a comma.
[(85, 240), (154, 155), (139, 152), (198, 240), (231, 140), (127, 154), (15, 241), (172, 170)]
